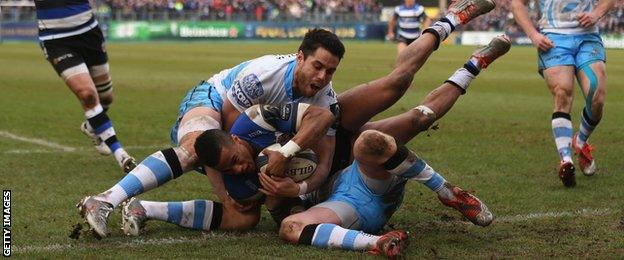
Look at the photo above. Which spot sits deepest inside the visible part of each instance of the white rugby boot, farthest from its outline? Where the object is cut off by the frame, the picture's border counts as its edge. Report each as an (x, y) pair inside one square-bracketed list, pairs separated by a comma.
[(99, 145), (133, 217), (95, 213)]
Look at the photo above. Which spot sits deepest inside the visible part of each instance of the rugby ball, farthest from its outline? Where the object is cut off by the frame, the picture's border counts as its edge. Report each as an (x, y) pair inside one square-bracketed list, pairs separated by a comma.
[(301, 166)]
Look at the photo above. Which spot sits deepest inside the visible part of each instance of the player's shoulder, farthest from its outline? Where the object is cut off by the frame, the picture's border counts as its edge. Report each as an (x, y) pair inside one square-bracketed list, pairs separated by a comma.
[(272, 61), (268, 65)]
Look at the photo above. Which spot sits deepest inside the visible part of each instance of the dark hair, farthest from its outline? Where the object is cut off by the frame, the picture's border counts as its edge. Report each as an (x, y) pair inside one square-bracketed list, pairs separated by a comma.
[(318, 37), (208, 146)]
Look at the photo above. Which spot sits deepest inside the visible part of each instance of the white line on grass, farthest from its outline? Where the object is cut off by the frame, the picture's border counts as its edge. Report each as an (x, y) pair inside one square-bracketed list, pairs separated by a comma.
[(544, 215), (37, 141), (207, 236), (81, 149)]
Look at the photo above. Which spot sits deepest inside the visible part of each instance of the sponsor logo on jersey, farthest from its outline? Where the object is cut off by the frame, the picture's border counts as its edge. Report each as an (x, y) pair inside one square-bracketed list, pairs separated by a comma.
[(247, 89)]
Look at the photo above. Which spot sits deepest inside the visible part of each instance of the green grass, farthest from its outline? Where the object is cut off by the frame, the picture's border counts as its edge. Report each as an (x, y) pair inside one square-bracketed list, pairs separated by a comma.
[(496, 141)]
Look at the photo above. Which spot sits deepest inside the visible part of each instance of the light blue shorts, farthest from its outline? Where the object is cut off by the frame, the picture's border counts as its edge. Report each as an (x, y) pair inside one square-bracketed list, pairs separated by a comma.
[(202, 95), (373, 210), (575, 50)]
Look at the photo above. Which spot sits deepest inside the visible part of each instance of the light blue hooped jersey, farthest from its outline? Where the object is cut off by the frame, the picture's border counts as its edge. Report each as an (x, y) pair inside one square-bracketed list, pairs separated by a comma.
[(560, 16)]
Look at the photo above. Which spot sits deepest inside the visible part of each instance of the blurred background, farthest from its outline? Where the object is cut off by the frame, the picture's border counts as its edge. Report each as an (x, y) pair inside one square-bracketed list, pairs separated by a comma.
[(276, 19)]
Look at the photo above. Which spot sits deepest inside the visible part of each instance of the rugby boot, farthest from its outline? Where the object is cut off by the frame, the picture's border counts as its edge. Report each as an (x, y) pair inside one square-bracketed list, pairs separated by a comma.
[(585, 159), (95, 213), (100, 146), (391, 244), (466, 10), (469, 205), (566, 174), (497, 47), (133, 217), (128, 163)]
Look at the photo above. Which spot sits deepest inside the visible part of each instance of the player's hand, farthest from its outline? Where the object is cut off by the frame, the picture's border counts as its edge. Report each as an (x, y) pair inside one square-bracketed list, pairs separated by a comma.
[(587, 19), (277, 186), (389, 37), (541, 42), (276, 165)]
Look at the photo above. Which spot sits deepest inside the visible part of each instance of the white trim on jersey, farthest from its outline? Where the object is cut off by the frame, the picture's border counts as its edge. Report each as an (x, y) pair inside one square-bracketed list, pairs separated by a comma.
[(67, 22), (67, 34)]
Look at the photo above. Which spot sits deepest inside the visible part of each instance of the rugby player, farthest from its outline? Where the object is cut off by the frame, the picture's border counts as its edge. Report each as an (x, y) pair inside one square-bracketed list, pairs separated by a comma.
[(388, 90), (73, 43), (234, 155), (407, 19), (215, 103), (569, 47)]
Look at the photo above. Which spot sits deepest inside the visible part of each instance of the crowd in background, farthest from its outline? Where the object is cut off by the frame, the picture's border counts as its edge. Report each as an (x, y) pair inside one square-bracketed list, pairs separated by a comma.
[(316, 11), (501, 18), (261, 10)]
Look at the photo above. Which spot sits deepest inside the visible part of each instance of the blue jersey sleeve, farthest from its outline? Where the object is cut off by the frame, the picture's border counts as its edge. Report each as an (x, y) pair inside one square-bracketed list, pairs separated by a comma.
[(260, 123)]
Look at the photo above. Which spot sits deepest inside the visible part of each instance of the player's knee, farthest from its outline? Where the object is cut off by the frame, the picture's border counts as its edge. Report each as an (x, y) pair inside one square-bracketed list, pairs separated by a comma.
[(87, 97), (290, 229), (562, 94), (188, 156), (235, 220), (422, 118)]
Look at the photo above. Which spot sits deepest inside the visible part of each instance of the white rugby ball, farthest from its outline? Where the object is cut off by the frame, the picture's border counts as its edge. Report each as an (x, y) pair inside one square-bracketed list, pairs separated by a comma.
[(301, 166)]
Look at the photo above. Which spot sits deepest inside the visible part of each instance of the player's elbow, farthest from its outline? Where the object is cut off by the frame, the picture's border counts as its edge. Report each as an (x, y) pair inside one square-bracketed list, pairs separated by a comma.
[(290, 230)]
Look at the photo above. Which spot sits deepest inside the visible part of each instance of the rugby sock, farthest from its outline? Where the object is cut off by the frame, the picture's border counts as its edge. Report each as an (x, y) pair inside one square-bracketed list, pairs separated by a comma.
[(105, 90), (154, 171), (562, 132), (404, 163), (463, 76), (586, 128), (195, 214), (442, 29), (334, 236), (103, 128)]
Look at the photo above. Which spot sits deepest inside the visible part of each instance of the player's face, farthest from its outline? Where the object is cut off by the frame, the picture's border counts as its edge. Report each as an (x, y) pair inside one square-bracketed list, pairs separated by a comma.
[(314, 72), (236, 159), (409, 2)]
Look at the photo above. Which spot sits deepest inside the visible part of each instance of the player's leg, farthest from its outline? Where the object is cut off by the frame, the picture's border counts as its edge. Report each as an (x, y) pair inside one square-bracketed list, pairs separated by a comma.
[(358, 105), (401, 46), (324, 226), (203, 215), (379, 156), (557, 67), (161, 166), (560, 80), (592, 77), (438, 102)]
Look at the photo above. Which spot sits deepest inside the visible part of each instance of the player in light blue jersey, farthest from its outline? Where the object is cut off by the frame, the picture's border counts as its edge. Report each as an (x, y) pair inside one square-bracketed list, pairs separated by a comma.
[(407, 20), (361, 199), (215, 103), (569, 47), (73, 43), (360, 105)]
